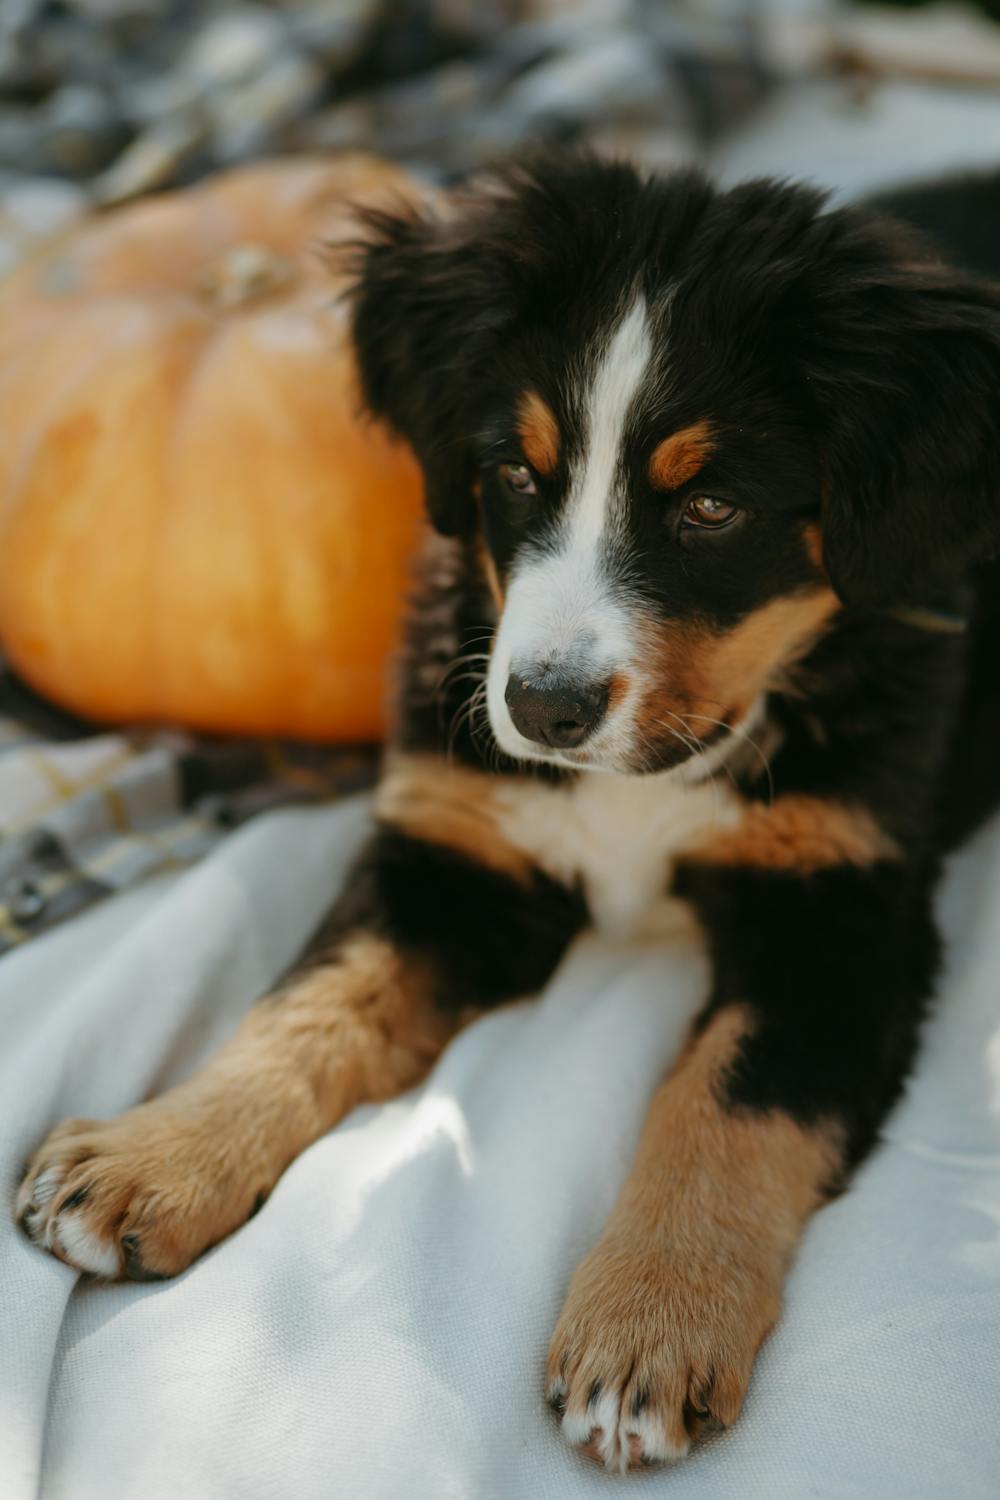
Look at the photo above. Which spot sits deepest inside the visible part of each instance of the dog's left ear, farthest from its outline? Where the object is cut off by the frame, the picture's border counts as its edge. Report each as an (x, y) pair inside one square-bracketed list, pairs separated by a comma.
[(427, 304), (905, 380)]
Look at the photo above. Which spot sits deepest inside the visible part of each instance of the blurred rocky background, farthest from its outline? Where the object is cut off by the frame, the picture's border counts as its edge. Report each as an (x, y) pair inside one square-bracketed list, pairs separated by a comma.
[(101, 100)]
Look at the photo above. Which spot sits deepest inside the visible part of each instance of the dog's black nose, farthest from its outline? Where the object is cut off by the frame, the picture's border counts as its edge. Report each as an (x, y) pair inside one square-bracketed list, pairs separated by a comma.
[(561, 713)]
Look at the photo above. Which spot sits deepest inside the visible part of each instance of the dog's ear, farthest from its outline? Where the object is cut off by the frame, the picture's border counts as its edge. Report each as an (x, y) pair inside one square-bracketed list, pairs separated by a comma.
[(437, 292), (906, 384), (427, 303)]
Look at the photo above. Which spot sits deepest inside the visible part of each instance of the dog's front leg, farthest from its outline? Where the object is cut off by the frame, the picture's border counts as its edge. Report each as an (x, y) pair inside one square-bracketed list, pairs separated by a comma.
[(820, 980), (423, 935)]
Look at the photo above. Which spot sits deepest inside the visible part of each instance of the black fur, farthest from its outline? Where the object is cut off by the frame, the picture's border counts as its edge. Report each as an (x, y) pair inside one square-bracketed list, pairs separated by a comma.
[(854, 378), (838, 970), (960, 214), (850, 366), (490, 937)]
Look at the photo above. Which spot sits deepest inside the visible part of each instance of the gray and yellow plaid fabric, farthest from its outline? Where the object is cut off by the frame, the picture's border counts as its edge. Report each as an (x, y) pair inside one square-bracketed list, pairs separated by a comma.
[(85, 813)]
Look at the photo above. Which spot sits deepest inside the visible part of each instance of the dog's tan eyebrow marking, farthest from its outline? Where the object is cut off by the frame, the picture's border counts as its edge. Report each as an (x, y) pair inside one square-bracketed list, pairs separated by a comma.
[(539, 433), (679, 457)]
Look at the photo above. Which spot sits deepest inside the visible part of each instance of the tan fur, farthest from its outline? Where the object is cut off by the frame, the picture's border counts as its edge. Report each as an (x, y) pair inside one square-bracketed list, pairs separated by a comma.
[(670, 1308), (539, 433), (183, 1171), (799, 834), (813, 536), (618, 686), (681, 456), (702, 678), (491, 575), (734, 667), (430, 798)]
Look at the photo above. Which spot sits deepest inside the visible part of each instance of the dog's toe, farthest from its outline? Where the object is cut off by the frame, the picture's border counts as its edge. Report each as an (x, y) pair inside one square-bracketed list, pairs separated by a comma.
[(140, 1196), (645, 1357)]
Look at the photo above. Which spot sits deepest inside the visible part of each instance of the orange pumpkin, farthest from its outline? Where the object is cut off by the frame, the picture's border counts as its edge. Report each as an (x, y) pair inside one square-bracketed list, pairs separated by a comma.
[(196, 524)]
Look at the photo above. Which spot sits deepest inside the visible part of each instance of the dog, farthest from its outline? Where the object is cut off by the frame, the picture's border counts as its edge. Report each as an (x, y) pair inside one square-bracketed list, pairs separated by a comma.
[(708, 621)]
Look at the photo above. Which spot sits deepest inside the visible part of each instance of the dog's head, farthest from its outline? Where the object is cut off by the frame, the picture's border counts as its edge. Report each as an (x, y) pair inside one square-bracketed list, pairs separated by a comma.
[(689, 425)]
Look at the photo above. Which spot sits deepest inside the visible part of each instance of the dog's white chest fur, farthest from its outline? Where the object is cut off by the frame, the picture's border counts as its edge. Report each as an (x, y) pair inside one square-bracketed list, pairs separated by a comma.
[(617, 836)]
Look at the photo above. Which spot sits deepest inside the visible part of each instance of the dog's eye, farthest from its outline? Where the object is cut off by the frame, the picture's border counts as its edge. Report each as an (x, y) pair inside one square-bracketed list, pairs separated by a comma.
[(518, 477), (706, 511)]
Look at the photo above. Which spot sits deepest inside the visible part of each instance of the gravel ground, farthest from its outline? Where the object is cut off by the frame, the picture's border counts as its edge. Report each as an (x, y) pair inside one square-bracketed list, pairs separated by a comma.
[(103, 100)]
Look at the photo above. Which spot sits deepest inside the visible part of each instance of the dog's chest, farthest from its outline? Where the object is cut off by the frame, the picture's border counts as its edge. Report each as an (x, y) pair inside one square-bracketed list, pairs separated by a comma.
[(618, 837)]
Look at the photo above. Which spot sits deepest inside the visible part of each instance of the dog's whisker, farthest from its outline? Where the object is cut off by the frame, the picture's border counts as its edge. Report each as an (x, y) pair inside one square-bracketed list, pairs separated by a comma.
[(463, 716), (469, 659), (465, 677), (743, 734), (467, 713), (479, 724), (695, 746), (704, 747)]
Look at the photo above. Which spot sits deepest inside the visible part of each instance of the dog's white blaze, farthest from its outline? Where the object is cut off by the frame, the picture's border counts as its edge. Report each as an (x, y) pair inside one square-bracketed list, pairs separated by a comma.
[(563, 602), (594, 487)]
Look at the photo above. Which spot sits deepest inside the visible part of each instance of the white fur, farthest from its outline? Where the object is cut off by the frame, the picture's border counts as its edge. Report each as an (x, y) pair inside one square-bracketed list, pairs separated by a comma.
[(561, 603), (617, 835), (46, 1185), (84, 1249), (577, 1424), (67, 1233), (655, 1446), (616, 1430), (595, 486)]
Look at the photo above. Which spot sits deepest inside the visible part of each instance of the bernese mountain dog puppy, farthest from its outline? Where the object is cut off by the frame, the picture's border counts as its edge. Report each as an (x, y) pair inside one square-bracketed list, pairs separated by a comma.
[(708, 624)]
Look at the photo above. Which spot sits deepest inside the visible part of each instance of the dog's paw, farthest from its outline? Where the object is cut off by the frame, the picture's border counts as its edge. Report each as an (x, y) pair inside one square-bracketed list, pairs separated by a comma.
[(140, 1196), (649, 1349)]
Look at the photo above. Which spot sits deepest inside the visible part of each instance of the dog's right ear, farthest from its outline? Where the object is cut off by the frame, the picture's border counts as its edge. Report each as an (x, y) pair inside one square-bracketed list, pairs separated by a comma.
[(427, 303)]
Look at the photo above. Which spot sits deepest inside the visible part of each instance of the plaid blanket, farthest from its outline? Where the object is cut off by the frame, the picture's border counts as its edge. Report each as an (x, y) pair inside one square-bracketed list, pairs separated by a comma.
[(84, 813)]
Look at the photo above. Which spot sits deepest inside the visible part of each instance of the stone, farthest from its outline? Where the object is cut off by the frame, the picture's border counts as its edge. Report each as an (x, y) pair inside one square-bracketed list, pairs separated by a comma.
[(248, 117), (236, 45), (33, 209), (104, 11), (151, 160), (330, 34), (74, 132)]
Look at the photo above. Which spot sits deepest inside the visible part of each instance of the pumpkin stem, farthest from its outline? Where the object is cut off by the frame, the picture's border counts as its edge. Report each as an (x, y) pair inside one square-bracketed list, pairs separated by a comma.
[(245, 274)]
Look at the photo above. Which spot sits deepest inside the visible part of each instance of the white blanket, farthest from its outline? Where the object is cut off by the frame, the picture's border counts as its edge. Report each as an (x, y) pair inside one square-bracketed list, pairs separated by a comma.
[(378, 1331)]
